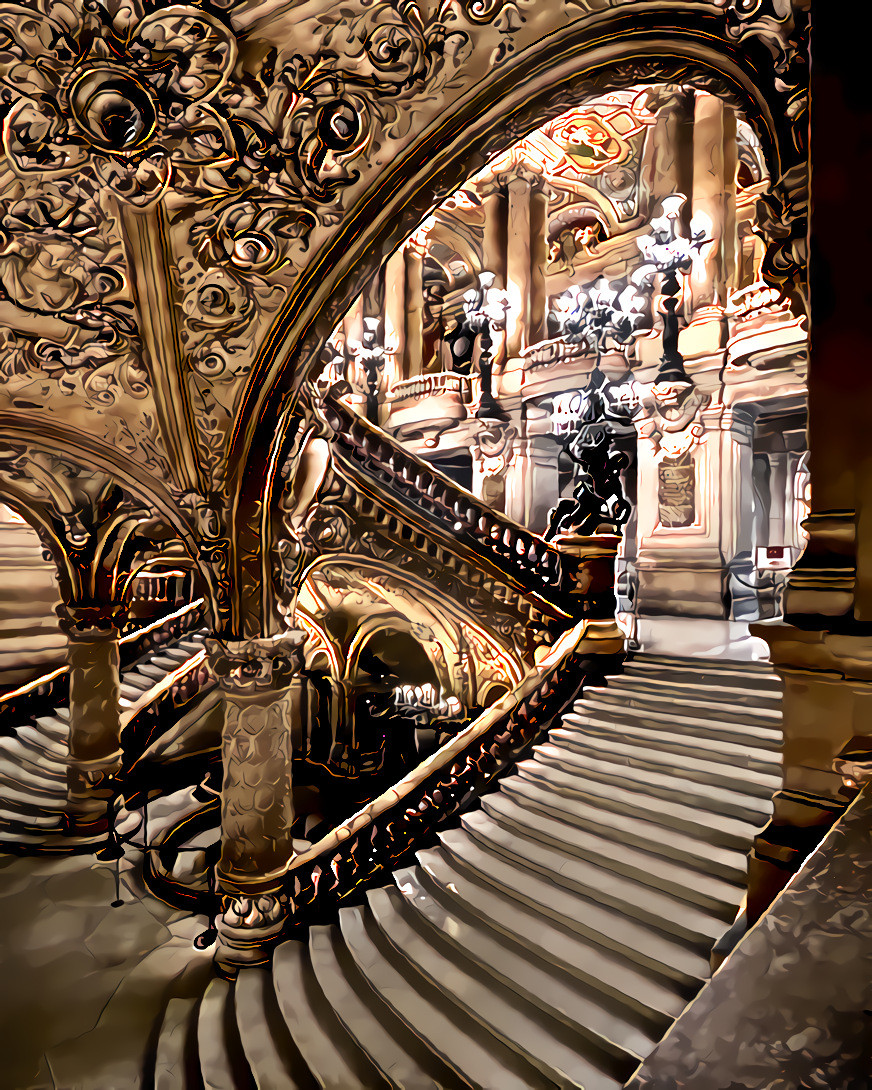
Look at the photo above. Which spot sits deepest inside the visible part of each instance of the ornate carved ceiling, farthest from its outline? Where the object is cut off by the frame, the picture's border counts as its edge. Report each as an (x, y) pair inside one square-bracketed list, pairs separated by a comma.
[(192, 194)]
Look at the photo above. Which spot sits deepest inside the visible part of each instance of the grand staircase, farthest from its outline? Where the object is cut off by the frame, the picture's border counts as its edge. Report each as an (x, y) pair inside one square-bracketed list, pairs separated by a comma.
[(550, 940), (33, 756)]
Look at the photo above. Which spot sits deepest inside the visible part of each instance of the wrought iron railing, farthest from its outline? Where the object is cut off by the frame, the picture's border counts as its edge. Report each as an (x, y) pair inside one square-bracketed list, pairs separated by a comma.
[(366, 848)]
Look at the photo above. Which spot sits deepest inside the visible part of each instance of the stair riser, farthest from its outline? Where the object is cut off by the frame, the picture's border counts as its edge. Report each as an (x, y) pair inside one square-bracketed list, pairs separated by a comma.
[(630, 944), (639, 757), (642, 700), (734, 757), (723, 907), (681, 793), (670, 819), (652, 919), (768, 740)]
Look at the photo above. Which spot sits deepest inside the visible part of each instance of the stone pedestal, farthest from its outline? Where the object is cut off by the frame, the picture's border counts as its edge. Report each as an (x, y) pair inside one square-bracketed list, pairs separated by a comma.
[(95, 727), (262, 694), (588, 573)]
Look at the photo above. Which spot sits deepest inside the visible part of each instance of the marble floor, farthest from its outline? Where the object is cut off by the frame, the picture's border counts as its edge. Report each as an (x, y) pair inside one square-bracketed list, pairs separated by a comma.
[(65, 954)]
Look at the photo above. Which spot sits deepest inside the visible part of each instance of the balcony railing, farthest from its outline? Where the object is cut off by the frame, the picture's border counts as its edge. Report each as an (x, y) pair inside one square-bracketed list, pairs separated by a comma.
[(423, 386)]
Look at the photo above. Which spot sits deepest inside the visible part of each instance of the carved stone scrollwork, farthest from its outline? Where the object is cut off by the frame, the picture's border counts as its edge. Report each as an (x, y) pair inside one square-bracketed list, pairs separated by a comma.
[(256, 666)]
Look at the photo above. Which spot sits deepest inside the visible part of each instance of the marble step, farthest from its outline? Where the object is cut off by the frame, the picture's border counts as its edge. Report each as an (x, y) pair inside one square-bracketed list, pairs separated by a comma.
[(616, 820), (616, 980), (23, 754), (171, 1061), (716, 693), (329, 1052), (501, 1013), (681, 920), (706, 796), (399, 1055), (698, 705), (673, 719), (734, 754), (53, 727), (274, 1062), (684, 766), (30, 803), (14, 769), (706, 825), (705, 671), (661, 954), (15, 817), (222, 1063), (682, 881), (457, 1043)]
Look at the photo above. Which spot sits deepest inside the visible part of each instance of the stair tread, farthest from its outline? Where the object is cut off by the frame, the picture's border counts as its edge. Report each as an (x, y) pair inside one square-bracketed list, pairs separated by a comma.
[(738, 753), (330, 1054), (458, 1048), (643, 867), (596, 966), (687, 922), (400, 1058), (760, 784), (616, 719), (215, 1046), (642, 681), (685, 704), (638, 826), (541, 980), (664, 953), (272, 1065), (767, 735), (504, 1014), (731, 832), (169, 1064), (704, 795)]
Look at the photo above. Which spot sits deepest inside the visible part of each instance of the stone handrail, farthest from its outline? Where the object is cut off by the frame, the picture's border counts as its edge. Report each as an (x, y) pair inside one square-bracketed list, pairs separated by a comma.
[(377, 839), (52, 688), (523, 558)]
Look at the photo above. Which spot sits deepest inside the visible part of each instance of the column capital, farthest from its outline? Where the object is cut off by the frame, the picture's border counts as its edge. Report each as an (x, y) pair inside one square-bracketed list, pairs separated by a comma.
[(255, 666), (91, 620)]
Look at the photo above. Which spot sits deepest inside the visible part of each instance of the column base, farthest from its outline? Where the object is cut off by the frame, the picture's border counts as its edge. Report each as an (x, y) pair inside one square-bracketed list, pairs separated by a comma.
[(248, 930), (91, 787)]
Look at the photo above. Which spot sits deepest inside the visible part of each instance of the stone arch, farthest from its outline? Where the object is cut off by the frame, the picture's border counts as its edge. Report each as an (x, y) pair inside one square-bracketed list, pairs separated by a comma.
[(46, 494), (564, 64), (370, 596)]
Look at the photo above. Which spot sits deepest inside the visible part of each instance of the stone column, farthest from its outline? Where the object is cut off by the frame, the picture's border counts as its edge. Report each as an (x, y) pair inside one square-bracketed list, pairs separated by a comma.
[(519, 280), (668, 157), (714, 199), (413, 336), (262, 695), (538, 262), (822, 650), (95, 725), (395, 316), (494, 199)]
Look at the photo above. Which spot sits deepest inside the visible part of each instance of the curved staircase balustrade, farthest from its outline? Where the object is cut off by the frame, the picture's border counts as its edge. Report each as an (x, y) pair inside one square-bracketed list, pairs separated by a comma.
[(376, 840), (480, 535), (46, 692)]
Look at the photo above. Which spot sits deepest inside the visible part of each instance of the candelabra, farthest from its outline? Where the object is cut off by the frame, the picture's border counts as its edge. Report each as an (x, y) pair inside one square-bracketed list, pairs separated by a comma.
[(371, 355), (486, 306), (599, 317), (669, 253)]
